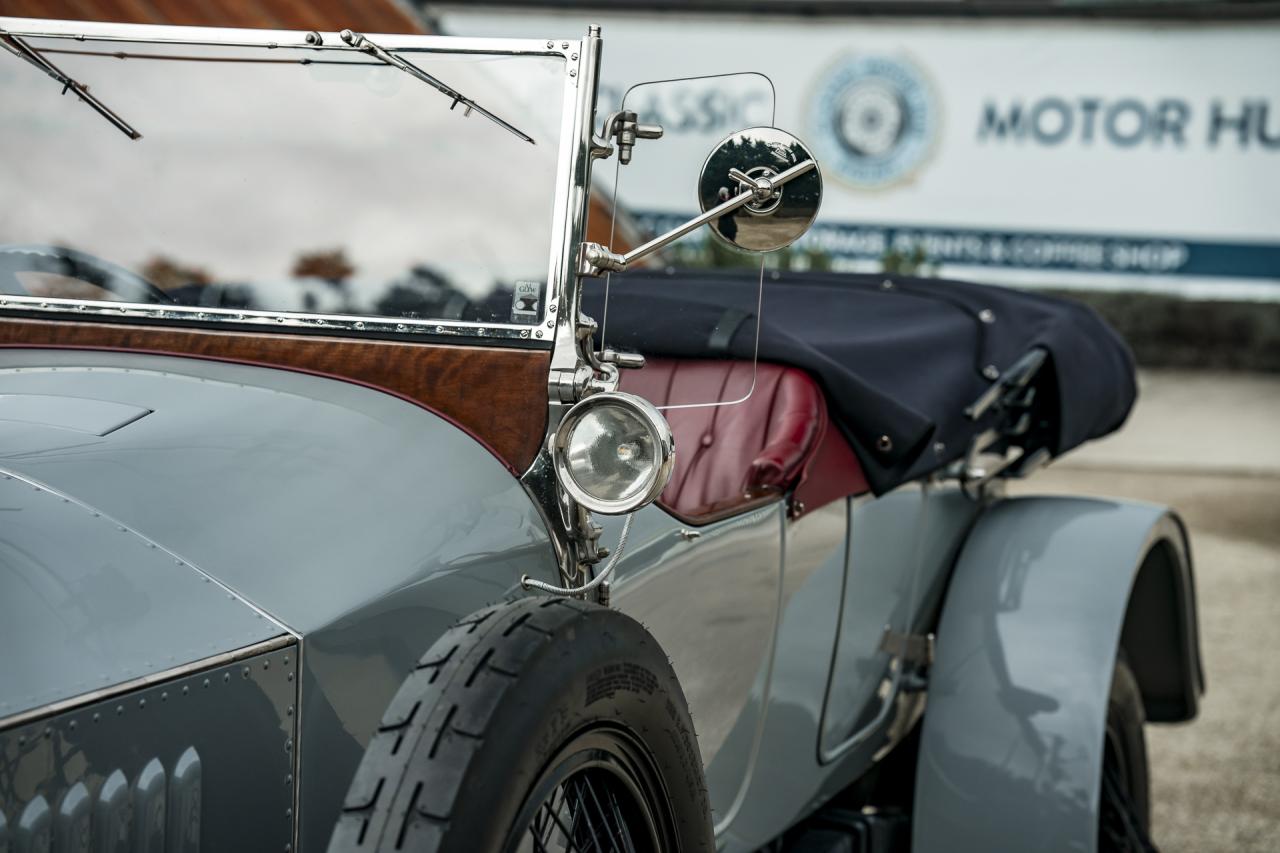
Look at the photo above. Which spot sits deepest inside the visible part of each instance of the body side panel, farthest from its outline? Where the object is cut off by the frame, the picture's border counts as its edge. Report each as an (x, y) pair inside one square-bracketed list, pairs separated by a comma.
[(362, 522), (711, 599), (827, 556), (1011, 749)]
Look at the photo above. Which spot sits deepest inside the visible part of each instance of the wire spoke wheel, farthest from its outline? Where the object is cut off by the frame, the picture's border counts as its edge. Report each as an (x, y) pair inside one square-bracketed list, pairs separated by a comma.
[(598, 795)]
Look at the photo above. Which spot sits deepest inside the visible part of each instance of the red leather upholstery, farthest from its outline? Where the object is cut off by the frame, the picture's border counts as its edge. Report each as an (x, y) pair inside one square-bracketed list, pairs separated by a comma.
[(727, 457)]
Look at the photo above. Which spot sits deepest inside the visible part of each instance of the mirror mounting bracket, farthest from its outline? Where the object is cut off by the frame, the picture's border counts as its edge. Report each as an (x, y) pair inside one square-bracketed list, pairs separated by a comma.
[(595, 260), (624, 127)]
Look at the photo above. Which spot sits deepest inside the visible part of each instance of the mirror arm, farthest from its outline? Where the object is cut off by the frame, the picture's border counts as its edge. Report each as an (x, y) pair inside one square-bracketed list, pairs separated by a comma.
[(594, 259)]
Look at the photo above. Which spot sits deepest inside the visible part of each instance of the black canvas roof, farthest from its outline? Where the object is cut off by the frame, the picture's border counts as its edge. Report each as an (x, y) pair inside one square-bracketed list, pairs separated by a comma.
[(899, 358)]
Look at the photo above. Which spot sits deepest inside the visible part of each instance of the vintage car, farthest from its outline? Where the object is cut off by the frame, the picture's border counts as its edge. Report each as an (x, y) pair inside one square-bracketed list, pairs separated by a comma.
[(329, 518)]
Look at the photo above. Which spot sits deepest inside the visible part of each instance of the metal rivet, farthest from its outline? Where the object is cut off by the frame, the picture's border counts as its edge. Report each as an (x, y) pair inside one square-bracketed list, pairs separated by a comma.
[(119, 710), (186, 688), (226, 676), (524, 333), (573, 56), (551, 44), (538, 334), (286, 660), (48, 733), (573, 72), (360, 324), (289, 712), (206, 682), (991, 372), (552, 307), (886, 285), (164, 697), (288, 780), (244, 673), (290, 677), (939, 448), (884, 444), (142, 703), (97, 717), (72, 725), (266, 664), (564, 45), (986, 315)]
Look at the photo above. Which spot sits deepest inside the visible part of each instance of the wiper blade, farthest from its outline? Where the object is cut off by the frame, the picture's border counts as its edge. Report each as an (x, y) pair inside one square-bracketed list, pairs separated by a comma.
[(359, 42), (20, 49)]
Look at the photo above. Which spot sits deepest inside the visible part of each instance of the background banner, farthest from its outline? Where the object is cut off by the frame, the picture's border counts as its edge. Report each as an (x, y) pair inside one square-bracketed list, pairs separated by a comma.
[(1105, 155)]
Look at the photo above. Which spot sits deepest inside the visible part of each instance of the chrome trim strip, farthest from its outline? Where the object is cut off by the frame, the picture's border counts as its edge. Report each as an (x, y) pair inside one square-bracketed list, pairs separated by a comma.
[(61, 706), (568, 209), (236, 37), (215, 317)]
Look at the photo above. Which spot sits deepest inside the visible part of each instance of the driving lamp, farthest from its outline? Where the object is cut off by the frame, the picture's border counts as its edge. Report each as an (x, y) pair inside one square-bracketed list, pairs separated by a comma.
[(613, 453)]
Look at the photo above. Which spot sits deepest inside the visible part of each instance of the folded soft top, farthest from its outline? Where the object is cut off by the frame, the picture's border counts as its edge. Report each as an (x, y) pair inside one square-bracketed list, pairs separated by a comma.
[(899, 358)]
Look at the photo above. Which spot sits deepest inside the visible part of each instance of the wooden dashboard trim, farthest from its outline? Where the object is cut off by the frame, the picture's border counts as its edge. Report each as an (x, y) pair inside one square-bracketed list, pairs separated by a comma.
[(497, 395)]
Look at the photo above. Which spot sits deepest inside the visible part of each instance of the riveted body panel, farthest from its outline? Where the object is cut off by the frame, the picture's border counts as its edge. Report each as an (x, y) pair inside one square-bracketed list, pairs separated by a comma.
[(202, 761)]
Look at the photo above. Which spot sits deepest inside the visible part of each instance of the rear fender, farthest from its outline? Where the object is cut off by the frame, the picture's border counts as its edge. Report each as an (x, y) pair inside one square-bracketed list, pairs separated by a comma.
[(1044, 592)]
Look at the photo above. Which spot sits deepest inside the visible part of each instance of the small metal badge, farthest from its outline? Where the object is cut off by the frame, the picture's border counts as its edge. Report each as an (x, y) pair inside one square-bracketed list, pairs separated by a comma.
[(524, 301)]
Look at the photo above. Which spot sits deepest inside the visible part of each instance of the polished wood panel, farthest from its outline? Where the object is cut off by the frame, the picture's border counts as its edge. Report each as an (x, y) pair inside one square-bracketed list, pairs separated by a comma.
[(499, 395)]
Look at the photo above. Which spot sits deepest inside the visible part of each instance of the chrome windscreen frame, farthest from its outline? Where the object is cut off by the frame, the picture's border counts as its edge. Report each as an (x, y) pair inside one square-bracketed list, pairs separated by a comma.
[(568, 207)]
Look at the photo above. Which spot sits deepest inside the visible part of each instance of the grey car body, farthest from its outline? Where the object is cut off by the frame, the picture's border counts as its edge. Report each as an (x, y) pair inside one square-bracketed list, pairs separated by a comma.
[(214, 577)]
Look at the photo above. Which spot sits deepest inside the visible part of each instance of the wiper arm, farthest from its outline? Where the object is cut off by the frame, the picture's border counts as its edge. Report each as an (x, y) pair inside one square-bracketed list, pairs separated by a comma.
[(20, 49), (359, 42)]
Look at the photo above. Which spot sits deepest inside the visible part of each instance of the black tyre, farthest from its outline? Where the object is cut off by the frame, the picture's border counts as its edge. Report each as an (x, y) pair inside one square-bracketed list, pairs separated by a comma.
[(1124, 813), (543, 724)]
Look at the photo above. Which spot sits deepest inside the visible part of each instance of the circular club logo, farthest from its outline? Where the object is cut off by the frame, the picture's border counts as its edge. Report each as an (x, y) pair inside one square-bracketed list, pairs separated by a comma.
[(873, 120)]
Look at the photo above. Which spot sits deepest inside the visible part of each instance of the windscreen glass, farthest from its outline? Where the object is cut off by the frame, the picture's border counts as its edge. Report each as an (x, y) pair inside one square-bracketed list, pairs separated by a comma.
[(280, 180)]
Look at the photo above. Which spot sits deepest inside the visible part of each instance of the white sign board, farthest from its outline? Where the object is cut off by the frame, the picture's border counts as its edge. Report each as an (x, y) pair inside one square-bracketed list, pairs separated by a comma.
[(1095, 154)]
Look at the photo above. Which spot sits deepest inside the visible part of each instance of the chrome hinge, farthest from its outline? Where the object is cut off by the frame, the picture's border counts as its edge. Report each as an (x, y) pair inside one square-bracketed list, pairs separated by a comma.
[(596, 260)]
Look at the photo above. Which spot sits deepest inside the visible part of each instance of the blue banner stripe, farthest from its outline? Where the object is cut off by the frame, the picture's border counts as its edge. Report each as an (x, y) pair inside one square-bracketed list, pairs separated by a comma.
[(1035, 250)]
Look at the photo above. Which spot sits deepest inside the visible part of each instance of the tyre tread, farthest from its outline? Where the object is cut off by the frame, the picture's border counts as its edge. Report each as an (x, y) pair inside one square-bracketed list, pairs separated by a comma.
[(397, 800)]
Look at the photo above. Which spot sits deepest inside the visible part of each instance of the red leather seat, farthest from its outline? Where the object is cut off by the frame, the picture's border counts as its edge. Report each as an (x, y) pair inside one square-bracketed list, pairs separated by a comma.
[(732, 457)]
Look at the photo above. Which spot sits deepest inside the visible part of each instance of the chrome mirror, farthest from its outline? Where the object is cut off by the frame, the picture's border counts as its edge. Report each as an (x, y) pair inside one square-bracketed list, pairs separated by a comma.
[(781, 210), (759, 190)]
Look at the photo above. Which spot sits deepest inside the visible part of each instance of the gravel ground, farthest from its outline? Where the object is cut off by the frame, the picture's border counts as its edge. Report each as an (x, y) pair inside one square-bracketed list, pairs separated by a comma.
[(1216, 780)]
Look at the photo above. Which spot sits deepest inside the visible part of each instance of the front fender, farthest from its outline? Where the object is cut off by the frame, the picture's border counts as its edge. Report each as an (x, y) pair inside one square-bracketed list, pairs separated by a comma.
[(1012, 743)]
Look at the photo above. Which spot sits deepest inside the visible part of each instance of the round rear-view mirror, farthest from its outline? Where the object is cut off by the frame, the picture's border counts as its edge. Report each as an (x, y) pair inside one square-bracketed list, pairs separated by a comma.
[(776, 219)]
